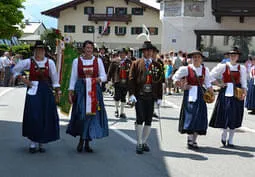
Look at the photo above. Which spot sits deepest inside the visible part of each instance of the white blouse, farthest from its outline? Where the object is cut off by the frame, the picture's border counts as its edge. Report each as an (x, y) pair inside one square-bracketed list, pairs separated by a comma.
[(251, 69), (217, 72), (25, 65), (183, 72), (74, 74)]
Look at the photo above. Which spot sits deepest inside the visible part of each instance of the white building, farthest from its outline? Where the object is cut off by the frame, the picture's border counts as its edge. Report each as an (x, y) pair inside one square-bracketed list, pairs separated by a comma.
[(213, 26), (32, 32), (85, 20)]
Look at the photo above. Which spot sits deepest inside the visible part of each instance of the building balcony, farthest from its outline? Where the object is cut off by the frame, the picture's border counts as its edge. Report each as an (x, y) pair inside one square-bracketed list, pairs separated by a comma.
[(240, 8), (108, 17)]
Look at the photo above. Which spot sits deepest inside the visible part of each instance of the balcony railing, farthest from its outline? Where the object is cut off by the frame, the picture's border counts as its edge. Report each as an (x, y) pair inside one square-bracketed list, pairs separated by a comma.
[(108, 17), (241, 8)]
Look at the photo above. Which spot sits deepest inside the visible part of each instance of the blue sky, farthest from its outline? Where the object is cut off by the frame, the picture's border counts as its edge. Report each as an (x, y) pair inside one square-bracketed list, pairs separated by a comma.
[(33, 9)]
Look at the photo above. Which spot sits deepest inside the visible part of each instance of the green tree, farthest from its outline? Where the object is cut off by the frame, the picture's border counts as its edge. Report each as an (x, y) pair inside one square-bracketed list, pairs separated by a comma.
[(10, 18), (50, 36)]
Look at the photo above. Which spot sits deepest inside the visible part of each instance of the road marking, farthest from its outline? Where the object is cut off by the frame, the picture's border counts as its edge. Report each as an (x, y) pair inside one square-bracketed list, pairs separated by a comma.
[(171, 104), (246, 129), (124, 135), (5, 91)]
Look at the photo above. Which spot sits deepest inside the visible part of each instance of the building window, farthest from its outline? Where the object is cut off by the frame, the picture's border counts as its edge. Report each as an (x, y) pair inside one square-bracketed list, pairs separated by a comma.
[(69, 28), (109, 10), (88, 29), (137, 11), (153, 30), (120, 30), (136, 30), (107, 32), (194, 8), (121, 11), (226, 40), (88, 10)]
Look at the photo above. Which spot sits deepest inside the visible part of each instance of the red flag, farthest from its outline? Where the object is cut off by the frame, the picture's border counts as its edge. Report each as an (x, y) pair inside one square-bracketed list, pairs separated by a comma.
[(106, 24)]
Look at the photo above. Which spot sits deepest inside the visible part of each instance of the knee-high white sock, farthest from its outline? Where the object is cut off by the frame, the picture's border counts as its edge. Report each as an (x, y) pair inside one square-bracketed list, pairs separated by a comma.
[(224, 134), (231, 136), (117, 105), (139, 133), (190, 137), (122, 105), (146, 132), (195, 137)]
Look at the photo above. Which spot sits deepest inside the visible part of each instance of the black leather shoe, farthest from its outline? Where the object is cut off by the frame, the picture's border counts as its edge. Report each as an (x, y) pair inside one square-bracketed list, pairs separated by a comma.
[(146, 148), (224, 143), (80, 146), (155, 115), (190, 144), (32, 150), (230, 145), (195, 146), (139, 149), (88, 149), (116, 113), (123, 116), (42, 150)]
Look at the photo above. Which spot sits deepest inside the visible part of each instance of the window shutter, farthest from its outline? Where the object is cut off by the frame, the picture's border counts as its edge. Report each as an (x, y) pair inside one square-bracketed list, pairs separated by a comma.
[(85, 10), (92, 10), (156, 31), (132, 30), (116, 30), (125, 30), (133, 11), (108, 30), (100, 29), (125, 11)]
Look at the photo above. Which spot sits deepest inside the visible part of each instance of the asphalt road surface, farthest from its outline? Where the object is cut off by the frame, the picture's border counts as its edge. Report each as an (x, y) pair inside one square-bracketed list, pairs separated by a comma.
[(115, 155)]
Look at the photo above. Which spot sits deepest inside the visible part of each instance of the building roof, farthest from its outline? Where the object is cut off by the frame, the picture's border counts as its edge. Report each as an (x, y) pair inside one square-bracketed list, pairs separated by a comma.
[(32, 37), (31, 27), (54, 12)]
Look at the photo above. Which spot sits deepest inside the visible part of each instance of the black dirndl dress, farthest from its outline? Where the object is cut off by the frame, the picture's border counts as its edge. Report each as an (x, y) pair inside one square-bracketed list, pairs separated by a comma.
[(250, 98)]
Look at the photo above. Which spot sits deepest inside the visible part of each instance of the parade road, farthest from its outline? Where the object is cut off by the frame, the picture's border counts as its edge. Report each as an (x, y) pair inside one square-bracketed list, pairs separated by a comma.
[(115, 155)]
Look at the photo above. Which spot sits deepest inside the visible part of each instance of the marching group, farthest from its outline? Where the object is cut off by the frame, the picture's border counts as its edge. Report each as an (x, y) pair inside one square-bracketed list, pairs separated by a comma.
[(143, 81)]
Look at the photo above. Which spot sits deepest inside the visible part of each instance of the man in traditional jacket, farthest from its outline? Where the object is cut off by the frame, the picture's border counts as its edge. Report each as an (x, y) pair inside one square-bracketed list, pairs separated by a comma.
[(118, 72), (106, 61), (144, 81)]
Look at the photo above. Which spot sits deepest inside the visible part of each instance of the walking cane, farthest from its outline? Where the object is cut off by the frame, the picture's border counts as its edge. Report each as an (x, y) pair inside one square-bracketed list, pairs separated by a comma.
[(160, 128)]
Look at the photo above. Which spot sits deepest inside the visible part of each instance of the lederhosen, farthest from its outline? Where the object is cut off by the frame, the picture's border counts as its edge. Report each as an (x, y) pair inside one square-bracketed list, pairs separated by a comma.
[(228, 111), (193, 115), (145, 100), (121, 87), (40, 120)]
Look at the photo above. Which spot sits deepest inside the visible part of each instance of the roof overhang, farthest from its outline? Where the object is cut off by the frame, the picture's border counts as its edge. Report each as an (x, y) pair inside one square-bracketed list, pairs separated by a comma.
[(55, 12)]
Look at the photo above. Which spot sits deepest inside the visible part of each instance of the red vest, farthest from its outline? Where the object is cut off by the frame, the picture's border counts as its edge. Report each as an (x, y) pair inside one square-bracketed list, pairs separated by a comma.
[(235, 74), (87, 71), (36, 73), (192, 79)]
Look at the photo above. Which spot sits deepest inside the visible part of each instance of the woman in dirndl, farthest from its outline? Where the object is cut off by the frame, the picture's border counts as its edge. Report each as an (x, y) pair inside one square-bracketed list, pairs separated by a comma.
[(193, 115), (250, 99), (228, 110), (88, 117), (40, 119)]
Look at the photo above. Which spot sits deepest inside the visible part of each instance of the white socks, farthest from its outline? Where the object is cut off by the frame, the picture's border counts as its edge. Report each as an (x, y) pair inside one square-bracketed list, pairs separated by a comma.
[(146, 132), (122, 105), (117, 105), (231, 136), (194, 138), (224, 135), (139, 133)]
